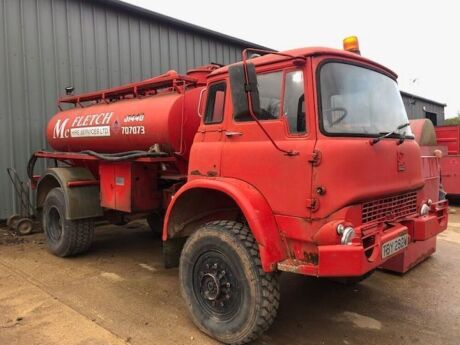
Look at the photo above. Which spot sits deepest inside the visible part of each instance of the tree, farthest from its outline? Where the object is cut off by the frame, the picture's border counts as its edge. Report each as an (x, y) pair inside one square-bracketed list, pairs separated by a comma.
[(453, 121)]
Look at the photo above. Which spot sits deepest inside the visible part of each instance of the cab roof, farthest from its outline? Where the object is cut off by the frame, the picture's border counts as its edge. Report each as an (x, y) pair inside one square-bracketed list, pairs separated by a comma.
[(306, 52)]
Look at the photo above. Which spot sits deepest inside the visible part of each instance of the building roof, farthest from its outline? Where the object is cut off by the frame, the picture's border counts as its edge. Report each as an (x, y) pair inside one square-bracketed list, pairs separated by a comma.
[(126, 7), (410, 95)]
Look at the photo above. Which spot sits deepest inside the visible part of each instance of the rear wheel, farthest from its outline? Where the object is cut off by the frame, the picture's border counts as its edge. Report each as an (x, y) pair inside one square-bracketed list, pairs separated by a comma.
[(64, 237), (228, 294)]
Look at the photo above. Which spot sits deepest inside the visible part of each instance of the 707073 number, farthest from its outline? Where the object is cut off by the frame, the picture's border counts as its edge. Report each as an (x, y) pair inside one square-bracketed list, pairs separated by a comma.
[(133, 130)]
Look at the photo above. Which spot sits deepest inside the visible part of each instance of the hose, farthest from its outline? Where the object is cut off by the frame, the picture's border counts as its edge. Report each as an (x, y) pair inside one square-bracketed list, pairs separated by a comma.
[(111, 157), (117, 154), (122, 156)]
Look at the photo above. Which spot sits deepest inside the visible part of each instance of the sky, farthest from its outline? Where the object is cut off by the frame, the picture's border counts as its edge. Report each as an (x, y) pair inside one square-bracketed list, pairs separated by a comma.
[(419, 40)]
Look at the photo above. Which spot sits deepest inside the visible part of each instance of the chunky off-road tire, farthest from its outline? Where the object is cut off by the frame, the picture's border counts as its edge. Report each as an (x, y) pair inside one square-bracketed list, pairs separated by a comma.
[(352, 280), (228, 294), (64, 237)]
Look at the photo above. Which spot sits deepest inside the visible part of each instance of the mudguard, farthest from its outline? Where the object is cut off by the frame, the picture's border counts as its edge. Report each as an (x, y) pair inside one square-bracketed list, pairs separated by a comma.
[(255, 208), (81, 201)]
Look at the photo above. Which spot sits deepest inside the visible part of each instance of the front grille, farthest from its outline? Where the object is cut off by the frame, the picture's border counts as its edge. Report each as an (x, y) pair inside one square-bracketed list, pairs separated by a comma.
[(390, 208)]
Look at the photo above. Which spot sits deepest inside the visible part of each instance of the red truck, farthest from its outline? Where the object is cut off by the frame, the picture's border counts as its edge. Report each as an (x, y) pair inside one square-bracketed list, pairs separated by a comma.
[(299, 161), (449, 138)]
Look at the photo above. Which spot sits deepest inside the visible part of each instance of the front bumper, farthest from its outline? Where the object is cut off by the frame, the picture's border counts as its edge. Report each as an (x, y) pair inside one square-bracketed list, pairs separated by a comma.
[(355, 259), (363, 256), (351, 260)]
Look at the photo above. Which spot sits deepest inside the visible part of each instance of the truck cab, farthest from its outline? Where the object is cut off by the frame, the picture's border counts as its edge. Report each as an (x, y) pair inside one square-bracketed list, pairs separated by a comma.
[(304, 162)]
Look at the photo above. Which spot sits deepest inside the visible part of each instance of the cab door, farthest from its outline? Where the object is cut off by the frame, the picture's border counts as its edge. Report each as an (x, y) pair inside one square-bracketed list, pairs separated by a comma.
[(249, 155), (205, 156)]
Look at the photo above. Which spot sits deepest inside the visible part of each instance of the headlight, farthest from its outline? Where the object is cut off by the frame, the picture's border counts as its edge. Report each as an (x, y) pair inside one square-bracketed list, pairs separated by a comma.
[(424, 210), (347, 233)]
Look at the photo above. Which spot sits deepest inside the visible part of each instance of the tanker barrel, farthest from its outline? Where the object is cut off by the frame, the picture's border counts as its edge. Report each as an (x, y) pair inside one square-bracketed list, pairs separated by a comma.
[(424, 132)]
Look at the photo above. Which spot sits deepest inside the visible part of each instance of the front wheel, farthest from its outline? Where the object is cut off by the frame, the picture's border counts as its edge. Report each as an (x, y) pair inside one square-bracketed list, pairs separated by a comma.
[(228, 294), (64, 237)]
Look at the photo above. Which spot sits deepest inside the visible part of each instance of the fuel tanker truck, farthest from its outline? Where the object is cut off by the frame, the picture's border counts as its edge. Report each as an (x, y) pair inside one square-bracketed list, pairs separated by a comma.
[(300, 161)]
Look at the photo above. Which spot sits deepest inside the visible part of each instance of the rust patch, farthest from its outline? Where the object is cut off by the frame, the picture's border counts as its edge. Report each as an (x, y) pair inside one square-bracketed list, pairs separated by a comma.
[(310, 258)]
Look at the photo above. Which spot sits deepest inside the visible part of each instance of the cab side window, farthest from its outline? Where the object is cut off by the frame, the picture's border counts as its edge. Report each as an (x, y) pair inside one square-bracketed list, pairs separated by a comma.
[(215, 104), (270, 95), (269, 85), (294, 102)]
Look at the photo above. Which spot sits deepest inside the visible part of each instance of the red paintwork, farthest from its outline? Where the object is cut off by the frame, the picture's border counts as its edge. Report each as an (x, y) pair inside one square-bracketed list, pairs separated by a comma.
[(129, 186), (82, 183), (423, 234), (92, 163), (255, 208), (162, 124), (344, 171), (340, 260), (424, 229), (414, 254), (294, 226), (449, 138), (450, 174), (431, 166), (85, 157), (321, 52), (159, 110)]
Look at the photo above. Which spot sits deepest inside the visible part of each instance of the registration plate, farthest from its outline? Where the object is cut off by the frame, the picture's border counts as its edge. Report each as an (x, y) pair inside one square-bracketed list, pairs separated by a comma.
[(395, 245)]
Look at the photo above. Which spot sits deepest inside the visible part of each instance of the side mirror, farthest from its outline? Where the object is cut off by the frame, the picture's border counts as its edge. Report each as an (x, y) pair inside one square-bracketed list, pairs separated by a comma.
[(243, 88)]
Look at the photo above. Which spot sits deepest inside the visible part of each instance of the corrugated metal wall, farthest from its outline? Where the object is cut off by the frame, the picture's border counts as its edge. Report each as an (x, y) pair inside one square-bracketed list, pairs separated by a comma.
[(415, 108), (46, 45)]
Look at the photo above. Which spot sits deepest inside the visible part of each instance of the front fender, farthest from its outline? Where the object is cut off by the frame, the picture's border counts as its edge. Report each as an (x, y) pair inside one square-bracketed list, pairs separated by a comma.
[(253, 206)]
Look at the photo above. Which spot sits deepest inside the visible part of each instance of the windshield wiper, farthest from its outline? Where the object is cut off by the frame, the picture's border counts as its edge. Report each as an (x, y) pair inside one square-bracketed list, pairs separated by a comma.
[(389, 134)]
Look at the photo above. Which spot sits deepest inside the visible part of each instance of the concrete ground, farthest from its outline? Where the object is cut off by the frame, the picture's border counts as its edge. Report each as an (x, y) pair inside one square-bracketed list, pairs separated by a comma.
[(119, 293)]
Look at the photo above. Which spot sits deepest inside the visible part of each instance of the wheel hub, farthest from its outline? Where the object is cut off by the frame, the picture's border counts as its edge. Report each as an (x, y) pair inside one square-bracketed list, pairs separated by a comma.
[(211, 286), (216, 286)]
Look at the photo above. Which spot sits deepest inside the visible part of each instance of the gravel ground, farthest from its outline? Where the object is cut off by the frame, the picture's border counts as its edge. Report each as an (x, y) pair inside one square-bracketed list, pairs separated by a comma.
[(119, 293)]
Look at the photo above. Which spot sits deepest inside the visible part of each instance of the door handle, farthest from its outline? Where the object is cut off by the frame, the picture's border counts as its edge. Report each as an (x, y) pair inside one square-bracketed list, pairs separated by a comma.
[(232, 134)]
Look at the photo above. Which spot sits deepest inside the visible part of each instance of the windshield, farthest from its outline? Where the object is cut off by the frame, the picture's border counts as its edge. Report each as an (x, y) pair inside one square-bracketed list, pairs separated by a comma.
[(359, 101)]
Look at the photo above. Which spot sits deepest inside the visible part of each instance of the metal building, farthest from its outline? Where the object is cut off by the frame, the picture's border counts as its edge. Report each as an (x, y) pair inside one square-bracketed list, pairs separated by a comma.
[(420, 108), (46, 45)]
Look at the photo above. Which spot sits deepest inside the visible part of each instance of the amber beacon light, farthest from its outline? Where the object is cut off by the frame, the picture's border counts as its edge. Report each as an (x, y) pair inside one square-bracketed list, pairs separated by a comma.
[(351, 44)]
